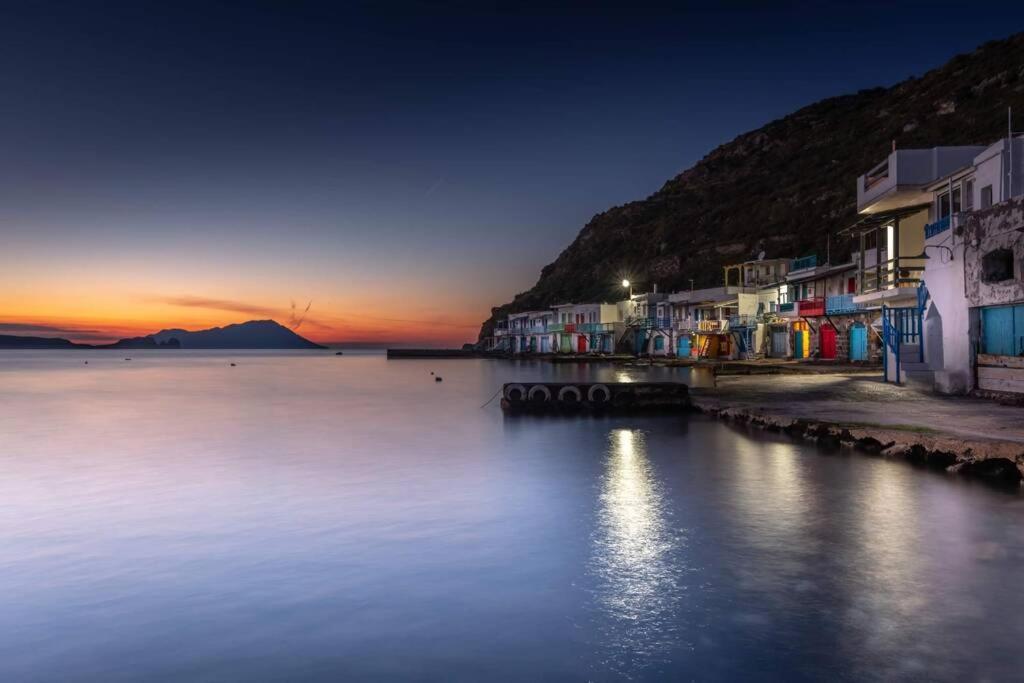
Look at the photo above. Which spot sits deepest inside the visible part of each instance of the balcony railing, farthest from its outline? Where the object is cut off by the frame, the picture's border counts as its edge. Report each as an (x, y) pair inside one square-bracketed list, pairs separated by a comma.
[(713, 326), (939, 226), (742, 320), (804, 262), (650, 323), (787, 308), (595, 328), (885, 275), (840, 303), (814, 306), (685, 324)]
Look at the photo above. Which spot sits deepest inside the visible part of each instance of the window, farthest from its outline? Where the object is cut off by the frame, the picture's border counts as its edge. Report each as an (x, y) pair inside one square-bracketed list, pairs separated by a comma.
[(871, 239), (986, 197), (969, 194), (942, 206), (997, 266)]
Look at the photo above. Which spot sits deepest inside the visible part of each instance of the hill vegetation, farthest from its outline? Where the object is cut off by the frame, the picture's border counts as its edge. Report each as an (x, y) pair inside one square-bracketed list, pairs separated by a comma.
[(785, 188)]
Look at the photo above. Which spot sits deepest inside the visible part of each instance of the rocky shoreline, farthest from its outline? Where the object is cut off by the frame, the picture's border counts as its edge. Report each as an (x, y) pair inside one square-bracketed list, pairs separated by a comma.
[(998, 461)]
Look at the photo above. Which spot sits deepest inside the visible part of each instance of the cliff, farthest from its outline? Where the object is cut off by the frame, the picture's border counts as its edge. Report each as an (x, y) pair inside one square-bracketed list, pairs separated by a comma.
[(785, 188)]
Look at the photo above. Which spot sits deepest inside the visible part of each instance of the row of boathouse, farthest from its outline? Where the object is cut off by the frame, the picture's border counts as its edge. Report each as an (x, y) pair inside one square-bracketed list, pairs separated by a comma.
[(934, 291)]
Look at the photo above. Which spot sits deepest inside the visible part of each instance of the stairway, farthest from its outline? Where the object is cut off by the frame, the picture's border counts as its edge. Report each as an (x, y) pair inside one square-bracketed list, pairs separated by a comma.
[(915, 374)]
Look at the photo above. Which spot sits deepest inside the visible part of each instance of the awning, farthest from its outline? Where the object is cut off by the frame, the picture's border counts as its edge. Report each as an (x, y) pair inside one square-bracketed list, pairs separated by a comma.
[(877, 220)]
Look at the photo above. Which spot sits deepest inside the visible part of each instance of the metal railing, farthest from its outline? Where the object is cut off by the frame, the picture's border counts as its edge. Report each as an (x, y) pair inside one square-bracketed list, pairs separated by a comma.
[(886, 275), (812, 306), (788, 307), (743, 320), (939, 226), (712, 325), (685, 324), (804, 262), (840, 303)]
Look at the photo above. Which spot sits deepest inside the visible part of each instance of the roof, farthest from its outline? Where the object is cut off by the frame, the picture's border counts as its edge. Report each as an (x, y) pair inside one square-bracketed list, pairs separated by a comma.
[(820, 272)]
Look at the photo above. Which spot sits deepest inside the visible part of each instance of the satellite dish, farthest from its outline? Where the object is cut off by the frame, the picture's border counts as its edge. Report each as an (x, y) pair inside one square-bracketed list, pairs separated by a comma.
[(760, 255)]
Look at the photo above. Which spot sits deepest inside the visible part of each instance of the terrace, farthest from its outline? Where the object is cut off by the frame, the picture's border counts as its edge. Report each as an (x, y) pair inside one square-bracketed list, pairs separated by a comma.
[(840, 303), (811, 307)]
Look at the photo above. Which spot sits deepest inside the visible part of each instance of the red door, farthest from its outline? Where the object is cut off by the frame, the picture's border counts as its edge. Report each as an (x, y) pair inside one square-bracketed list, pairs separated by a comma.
[(582, 343), (828, 341)]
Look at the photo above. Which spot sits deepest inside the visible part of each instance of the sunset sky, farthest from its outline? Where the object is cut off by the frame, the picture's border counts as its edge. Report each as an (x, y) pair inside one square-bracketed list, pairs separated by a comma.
[(397, 168)]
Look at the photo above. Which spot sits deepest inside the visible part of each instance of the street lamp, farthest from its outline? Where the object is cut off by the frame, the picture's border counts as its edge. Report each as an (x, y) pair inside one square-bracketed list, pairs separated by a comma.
[(626, 285)]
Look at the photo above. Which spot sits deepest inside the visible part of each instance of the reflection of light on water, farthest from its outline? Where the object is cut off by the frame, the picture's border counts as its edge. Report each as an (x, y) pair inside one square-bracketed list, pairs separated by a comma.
[(623, 377), (638, 578)]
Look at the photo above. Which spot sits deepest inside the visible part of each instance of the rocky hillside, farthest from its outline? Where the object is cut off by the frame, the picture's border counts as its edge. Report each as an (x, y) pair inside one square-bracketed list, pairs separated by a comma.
[(783, 188)]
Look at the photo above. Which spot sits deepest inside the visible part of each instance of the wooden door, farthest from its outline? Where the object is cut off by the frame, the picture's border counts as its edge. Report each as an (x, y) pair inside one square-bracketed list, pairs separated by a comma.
[(828, 342)]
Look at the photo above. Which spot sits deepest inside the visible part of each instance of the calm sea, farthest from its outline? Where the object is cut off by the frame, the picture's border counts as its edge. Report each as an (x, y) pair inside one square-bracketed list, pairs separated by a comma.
[(315, 517)]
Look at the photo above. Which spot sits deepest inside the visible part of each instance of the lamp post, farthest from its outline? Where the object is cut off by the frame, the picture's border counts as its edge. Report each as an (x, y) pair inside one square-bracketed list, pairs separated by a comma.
[(627, 285)]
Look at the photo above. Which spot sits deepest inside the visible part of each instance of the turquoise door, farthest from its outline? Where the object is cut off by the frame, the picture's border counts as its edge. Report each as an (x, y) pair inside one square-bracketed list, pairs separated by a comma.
[(1000, 331), (798, 352), (683, 346), (641, 342), (858, 342), (659, 343)]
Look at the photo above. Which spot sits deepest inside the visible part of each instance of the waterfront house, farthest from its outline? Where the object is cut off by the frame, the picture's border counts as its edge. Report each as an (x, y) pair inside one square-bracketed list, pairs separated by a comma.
[(894, 201), (647, 323), (825, 322), (972, 329)]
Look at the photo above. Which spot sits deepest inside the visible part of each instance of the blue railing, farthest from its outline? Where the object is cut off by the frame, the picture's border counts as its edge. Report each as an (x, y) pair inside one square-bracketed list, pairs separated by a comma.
[(899, 326), (742, 320), (804, 262), (840, 303), (939, 226)]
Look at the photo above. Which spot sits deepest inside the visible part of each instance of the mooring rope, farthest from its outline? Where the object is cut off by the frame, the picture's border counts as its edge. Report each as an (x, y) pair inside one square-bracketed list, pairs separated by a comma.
[(492, 397)]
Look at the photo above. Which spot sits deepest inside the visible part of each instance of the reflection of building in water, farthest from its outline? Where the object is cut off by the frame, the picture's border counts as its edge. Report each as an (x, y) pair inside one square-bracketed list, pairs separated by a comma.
[(638, 574)]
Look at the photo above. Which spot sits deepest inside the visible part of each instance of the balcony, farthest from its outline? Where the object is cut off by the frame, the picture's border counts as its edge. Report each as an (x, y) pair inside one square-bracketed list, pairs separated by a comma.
[(788, 308), (556, 327), (803, 262), (814, 306), (649, 323), (840, 303), (685, 324), (939, 226), (743, 320), (891, 274), (712, 326), (899, 180), (595, 328)]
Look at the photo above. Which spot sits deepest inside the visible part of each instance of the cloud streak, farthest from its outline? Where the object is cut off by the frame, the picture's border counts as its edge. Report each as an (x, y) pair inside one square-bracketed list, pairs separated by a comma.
[(218, 305)]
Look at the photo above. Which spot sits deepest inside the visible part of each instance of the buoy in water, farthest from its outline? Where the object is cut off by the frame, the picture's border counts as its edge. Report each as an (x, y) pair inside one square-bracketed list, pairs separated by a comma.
[(339, 353), (232, 365), (438, 379)]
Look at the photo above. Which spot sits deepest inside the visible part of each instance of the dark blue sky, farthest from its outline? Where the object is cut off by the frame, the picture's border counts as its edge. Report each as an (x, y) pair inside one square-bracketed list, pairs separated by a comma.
[(362, 155)]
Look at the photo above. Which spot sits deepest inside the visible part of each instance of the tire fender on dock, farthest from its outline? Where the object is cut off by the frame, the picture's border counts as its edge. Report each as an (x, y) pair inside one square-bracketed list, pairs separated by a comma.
[(570, 395), (599, 393), (514, 393), (540, 393)]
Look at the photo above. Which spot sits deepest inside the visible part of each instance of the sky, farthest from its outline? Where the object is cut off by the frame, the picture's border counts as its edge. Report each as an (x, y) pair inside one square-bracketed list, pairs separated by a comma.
[(398, 169)]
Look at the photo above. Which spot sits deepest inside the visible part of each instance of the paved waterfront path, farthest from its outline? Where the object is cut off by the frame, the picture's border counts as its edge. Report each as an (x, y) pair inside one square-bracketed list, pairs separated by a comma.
[(863, 401)]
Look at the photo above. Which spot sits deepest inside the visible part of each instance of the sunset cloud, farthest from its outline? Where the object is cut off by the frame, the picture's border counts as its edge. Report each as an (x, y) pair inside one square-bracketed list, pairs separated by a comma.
[(219, 305)]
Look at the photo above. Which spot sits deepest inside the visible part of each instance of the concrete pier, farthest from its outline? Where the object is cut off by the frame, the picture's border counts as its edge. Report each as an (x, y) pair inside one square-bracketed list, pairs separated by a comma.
[(567, 397)]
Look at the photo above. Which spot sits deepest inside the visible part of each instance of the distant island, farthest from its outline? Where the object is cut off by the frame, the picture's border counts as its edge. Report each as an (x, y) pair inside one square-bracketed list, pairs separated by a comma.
[(255, 334)]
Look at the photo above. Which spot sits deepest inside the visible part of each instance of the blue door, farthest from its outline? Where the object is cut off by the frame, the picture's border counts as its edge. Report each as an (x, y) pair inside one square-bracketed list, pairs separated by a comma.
[(858, 342), (659, 343), (641, 342), (683, 346), (998, 334)]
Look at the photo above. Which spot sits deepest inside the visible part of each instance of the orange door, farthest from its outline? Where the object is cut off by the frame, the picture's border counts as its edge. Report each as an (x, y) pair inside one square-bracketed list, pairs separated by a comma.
[(581, 344)]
